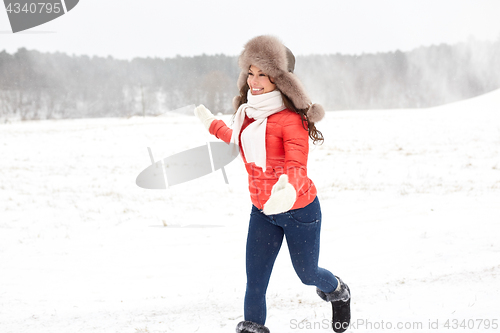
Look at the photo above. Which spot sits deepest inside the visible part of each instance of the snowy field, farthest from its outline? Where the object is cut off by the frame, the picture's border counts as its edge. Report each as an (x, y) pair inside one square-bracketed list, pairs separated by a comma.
[(411, 221)]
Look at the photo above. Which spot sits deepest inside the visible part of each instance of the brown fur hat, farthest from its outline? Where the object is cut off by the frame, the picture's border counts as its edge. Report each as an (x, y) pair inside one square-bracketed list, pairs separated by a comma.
[(270, 55)]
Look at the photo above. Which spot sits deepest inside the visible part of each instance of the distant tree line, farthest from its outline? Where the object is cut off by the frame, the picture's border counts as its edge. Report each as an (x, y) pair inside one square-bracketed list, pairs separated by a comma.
[(35, 85), (423, 77)]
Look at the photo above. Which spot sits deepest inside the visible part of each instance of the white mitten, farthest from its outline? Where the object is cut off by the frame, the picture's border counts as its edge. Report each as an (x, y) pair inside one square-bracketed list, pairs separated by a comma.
[(204, 115), (282, 197)]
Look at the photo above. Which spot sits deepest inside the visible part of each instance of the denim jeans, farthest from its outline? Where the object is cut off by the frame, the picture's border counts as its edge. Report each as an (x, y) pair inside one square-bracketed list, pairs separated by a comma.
[(301, 227)]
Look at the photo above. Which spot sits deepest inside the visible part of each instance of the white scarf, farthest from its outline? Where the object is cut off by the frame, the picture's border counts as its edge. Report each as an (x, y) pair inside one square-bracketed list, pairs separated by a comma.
[(253, 138)]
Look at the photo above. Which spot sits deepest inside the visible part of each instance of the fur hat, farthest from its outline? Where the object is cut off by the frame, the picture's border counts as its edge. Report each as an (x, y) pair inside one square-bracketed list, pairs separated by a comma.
[(270, 55)]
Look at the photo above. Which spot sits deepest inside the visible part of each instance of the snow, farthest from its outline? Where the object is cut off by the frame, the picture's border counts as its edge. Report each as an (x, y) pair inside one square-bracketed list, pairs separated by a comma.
[(411, 216)]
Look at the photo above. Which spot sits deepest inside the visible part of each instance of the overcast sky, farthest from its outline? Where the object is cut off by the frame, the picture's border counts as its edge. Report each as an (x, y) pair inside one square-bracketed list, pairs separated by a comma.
[(161, 28)]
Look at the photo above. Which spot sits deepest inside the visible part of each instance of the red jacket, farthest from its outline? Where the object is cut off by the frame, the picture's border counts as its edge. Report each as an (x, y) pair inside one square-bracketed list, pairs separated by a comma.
[(287, 147)]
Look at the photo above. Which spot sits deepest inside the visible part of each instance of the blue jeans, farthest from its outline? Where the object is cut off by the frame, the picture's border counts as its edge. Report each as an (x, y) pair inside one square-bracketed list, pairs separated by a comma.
[(265, 234)]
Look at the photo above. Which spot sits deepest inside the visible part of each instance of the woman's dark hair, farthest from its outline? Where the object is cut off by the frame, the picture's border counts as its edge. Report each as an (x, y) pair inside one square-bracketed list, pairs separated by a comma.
[(314, 133)]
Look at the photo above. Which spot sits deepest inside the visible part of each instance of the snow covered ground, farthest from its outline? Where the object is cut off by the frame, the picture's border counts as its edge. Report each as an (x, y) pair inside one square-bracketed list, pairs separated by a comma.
[(411, 218)]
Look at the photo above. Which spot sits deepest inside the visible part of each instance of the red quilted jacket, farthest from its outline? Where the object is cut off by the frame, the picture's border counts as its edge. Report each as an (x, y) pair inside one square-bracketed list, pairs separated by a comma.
[(287, 147)]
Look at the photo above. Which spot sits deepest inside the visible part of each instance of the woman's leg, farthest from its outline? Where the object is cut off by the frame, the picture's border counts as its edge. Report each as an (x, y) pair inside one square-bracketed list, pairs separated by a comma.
[(263, 244), (302, 230)]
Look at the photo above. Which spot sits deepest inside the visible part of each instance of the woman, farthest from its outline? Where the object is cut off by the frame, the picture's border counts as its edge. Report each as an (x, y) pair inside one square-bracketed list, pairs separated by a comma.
[(272, 126)]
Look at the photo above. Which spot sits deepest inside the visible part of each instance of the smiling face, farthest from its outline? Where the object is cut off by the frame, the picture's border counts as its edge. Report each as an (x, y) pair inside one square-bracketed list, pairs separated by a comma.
[(259, 82)]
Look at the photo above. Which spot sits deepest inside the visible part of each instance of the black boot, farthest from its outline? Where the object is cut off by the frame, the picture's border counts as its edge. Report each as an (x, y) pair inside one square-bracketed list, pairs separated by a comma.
[(251, 327), (341, 305)]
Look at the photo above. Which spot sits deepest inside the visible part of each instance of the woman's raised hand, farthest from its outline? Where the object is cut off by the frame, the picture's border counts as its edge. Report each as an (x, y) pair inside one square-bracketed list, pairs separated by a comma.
[(204, 114)]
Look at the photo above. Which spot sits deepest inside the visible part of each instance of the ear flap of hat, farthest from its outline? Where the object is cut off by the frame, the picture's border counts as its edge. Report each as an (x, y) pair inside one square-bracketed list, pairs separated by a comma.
[(291, 86), (242, 79)]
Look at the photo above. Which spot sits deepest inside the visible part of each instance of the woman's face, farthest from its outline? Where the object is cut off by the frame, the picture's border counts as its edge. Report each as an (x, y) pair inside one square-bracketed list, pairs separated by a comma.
[(259, 82)]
